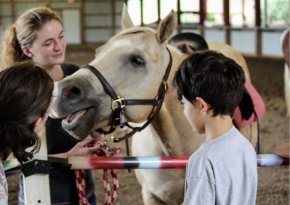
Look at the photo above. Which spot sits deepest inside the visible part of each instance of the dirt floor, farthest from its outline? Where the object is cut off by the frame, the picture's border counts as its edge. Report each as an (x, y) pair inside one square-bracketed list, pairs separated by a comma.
[(273, 188)]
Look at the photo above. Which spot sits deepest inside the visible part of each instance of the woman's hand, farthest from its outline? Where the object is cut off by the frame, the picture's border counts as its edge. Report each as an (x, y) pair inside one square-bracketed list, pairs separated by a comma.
[(86, 147)]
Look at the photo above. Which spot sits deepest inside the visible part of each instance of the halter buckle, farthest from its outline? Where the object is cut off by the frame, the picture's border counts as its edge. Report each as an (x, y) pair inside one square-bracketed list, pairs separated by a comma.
[(118, 103)]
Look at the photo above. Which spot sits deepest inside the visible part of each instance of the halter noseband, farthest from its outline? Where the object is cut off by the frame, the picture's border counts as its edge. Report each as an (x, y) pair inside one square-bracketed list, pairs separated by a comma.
[(119, 103)]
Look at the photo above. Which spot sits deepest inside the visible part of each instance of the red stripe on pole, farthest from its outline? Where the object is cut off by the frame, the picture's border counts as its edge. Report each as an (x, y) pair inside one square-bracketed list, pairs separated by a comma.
[(177, 162)]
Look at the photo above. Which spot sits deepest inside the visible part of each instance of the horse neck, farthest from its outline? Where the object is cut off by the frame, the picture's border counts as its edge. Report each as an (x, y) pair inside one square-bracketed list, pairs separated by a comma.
[(163, 125), (165, 122)]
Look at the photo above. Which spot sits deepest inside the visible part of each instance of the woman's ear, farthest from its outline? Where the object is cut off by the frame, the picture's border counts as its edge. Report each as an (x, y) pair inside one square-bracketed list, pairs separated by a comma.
[(201, 104), (27, 51), (38, 125)]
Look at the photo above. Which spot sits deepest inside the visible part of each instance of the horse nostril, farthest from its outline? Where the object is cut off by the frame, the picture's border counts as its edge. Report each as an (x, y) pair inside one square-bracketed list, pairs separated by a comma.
[(71, 91)]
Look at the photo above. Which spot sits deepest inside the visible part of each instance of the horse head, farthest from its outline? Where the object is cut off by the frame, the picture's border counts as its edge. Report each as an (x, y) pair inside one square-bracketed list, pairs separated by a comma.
[(126, 79)]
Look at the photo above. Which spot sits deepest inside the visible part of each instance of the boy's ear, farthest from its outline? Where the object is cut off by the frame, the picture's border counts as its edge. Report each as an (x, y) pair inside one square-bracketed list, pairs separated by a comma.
[(27, 51), (201, 104)]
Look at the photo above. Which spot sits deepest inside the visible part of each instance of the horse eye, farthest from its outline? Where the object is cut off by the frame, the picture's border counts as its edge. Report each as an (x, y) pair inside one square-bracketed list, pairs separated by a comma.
[(137, 60)]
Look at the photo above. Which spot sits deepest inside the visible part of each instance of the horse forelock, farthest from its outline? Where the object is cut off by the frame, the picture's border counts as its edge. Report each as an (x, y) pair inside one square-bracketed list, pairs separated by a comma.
[(107, 50), (128, 38), (134, 30)]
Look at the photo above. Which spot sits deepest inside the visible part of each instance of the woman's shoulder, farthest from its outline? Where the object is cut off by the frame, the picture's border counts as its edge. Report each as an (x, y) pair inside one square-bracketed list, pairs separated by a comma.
[(69, 68)]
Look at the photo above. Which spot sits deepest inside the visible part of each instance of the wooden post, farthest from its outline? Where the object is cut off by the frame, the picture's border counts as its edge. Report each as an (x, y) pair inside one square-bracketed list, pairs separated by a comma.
[(227, 21), (202, 15), (179, 29), (258, 32), (113, 16), (36, 186), (82, 16), (142, 12)]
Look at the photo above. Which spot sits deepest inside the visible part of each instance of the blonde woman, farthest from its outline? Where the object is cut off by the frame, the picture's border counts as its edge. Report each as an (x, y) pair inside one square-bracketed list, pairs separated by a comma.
[(38, 34)]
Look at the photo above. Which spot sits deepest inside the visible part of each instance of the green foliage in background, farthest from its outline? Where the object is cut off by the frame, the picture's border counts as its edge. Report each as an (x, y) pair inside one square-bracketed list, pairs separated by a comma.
[(278, 10)]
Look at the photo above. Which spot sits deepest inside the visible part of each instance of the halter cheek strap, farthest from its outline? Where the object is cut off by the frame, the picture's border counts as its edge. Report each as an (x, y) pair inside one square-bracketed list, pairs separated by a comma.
[(118, 103)]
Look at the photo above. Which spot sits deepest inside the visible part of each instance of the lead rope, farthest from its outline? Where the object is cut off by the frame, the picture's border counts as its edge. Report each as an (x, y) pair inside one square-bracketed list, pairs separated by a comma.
[(110, 196), (81, 186)]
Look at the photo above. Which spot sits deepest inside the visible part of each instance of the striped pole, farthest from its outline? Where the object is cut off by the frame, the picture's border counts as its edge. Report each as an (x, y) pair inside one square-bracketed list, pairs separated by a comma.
[(150, 162), (155, 162)]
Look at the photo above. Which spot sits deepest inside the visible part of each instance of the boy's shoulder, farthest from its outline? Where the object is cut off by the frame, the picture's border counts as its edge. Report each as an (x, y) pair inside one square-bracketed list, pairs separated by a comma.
[(230, 143)]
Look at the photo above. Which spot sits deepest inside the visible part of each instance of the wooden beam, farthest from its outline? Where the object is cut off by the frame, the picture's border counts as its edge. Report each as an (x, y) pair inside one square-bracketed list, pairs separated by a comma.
[(13, 13), (179, 30), (226, 12), (158, 11), (82, 21), (113, 20), (257, 13), (202, 11), (227, 23), (258, 32), (202, 15), (142, 12)]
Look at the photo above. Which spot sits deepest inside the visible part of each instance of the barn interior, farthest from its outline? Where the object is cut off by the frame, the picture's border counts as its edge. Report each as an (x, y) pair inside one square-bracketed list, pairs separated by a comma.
[(250, 26)]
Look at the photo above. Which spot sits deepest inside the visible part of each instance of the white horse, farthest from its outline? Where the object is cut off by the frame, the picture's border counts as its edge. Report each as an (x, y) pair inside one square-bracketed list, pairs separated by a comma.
[(134, 65)]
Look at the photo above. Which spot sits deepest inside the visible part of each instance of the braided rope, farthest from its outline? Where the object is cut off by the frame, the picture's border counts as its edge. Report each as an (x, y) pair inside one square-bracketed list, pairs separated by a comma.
[(110, 196), (115, 186), (81, 186)]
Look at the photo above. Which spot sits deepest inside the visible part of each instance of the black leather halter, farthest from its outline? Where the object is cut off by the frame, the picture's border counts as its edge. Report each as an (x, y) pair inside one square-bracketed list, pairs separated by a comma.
[(119, 103)]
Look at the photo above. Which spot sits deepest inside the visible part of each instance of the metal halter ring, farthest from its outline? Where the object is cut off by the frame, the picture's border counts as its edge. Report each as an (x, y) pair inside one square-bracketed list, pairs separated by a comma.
[(118, 103)]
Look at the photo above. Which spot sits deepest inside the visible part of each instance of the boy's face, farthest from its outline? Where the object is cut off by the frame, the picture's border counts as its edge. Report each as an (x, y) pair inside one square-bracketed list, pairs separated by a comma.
[(193, 114)]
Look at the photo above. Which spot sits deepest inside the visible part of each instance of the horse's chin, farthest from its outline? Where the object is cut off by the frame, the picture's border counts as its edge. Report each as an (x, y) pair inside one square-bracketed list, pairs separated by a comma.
[(80, 123)]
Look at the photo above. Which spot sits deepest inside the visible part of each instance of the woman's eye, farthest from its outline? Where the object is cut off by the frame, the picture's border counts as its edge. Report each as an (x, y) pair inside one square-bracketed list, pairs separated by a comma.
[(47, 43)]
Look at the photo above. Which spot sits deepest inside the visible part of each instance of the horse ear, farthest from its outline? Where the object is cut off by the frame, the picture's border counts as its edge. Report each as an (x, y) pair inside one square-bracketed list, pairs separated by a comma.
[(126, 19), (167, 27)]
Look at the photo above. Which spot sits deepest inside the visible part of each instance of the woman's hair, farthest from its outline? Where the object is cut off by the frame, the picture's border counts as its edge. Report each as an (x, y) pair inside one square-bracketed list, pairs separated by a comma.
[(25, 95), (23, 33), (214, 77)]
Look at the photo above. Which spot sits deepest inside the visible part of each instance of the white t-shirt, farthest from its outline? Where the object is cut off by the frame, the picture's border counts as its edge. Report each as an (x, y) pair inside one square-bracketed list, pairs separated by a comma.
[(3, 187), (222, 171)]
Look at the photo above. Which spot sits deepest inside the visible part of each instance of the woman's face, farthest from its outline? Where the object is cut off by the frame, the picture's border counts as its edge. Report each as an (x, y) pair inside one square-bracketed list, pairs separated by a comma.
[(48, 49)]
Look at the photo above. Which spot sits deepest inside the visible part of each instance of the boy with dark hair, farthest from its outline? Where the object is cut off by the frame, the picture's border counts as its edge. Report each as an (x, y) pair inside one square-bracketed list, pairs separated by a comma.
[(224, 169)]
